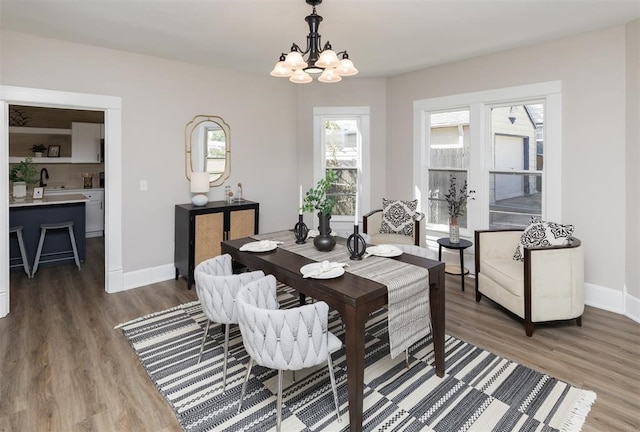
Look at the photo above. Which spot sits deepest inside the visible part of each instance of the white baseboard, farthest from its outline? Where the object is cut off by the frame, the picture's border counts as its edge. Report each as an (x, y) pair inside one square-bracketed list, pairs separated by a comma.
[(603, 298), (148, 276), (632, 307)]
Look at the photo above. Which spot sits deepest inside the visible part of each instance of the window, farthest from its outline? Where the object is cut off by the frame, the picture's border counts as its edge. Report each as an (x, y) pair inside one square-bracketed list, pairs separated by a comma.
[(342, 144), (448, 157), (515, 172), (505, 143)]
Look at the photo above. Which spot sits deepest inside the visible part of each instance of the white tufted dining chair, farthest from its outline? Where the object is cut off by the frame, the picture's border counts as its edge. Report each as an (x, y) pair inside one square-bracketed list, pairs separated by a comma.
[(284, 339), (217, 288)]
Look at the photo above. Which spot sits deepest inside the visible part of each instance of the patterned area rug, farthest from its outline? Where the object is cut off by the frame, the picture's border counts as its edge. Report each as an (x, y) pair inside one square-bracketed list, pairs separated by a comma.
[(479, 392)]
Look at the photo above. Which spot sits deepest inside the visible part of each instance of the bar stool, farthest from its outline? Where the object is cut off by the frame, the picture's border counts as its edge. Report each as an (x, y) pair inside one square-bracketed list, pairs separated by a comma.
[(23, 254), (43, 233)]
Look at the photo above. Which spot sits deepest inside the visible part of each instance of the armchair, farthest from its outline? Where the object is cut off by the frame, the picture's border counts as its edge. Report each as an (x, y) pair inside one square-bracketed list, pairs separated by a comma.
[(547, 286), (372, 221)]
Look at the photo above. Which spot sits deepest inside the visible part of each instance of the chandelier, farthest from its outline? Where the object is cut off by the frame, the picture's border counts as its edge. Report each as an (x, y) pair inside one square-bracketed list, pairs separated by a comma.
[(323, 61)]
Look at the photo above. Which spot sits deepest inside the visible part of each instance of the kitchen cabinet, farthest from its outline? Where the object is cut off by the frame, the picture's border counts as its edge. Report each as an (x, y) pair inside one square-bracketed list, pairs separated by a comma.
[(85, 142), (94, 209), (95, 213), (200, 230)]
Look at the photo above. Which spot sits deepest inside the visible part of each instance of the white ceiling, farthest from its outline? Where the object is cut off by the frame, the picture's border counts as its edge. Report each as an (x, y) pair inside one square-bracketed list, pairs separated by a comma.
[(383, 37)]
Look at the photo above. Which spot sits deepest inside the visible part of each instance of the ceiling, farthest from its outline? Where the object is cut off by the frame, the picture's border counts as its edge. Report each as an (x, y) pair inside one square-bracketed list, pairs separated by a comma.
[(383, 37)]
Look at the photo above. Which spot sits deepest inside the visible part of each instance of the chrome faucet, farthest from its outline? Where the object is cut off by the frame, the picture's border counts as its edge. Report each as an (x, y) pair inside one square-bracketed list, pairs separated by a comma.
[(46, 173)]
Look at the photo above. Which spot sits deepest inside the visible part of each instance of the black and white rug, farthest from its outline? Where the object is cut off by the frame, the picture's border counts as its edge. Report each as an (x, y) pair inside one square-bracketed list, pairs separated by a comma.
[(479, 392)]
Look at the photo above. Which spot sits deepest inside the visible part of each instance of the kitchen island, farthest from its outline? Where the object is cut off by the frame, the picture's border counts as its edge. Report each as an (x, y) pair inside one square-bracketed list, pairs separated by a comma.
[(31, 213)]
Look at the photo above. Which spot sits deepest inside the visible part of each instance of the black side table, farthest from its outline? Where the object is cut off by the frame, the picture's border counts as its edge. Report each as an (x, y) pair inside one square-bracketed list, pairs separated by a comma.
[(452, 269)]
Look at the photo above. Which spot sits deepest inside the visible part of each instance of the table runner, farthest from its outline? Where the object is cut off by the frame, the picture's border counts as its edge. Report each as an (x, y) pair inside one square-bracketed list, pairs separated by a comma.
[(409, 318)]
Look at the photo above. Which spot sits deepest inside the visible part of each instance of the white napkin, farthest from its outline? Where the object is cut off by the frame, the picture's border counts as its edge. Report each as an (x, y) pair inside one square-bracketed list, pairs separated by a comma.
[(259, 245), (325, 266), (383, 249)]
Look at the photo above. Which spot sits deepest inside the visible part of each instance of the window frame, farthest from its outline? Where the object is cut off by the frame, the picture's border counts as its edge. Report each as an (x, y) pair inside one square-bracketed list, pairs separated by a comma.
[(479, 105), (362, 115)]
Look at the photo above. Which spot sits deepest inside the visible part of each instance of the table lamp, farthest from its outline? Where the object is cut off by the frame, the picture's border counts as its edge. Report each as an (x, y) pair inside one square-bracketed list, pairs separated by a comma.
[(199, 187)]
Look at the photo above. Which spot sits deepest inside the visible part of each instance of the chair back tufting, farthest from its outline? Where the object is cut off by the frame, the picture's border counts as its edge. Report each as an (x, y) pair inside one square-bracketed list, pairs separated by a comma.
[(217, 288), (283, 339)]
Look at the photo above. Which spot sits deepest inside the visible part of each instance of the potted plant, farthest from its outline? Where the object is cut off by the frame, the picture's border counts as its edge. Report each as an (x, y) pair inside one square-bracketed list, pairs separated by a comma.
[(21, 174), (316, 199), (457, 202), (38, 149)]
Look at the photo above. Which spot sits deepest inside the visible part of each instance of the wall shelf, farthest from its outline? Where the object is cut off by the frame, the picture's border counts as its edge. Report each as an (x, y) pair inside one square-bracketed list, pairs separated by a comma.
[(41, 160)]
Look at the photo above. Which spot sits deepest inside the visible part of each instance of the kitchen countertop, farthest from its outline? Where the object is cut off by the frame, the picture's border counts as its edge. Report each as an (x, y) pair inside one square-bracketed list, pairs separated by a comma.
[(48, 200)]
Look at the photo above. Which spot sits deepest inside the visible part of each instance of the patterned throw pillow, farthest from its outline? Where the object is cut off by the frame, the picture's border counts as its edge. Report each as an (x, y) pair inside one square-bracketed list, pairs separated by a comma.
[(397, 216), (542, 233)]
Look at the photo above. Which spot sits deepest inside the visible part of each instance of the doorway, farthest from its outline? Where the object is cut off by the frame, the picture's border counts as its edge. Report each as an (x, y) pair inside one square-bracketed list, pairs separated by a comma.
[(111, 106)]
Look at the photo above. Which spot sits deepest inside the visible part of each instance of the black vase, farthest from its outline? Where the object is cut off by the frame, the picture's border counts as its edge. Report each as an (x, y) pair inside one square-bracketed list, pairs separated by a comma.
[(324, 241)]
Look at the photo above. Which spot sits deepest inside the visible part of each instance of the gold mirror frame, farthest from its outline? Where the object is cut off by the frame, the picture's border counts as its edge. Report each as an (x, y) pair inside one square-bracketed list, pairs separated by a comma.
[(195, 129)]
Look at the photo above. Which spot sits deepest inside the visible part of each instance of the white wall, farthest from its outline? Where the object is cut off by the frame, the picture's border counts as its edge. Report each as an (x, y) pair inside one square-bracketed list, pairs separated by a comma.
[(159, 97), (591, 68)]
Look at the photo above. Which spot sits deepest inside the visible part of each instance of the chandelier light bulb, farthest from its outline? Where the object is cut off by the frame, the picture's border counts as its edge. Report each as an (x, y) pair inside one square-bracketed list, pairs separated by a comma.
[(300, 77), (281, 70), (329, 76), (346, 68), (295, 61), (328, 59)]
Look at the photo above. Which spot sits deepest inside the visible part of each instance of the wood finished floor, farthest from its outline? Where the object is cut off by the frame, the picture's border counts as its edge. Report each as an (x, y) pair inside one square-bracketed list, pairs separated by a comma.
[(65, 368)]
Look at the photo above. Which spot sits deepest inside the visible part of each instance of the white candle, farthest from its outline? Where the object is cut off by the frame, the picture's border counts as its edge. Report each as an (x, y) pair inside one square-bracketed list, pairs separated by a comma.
[(356, 221), (300, 206)]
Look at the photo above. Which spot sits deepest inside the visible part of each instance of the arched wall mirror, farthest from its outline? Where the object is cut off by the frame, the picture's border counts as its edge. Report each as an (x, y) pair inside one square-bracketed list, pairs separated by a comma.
[(208, 148)]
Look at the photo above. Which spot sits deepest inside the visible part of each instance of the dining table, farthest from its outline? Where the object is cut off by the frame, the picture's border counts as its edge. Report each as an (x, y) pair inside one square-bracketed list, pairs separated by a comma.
[(354, 297)]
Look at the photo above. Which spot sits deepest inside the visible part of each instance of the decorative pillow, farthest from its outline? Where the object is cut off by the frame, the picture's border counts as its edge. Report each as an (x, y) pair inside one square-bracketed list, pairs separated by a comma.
[(397, 216), (542, 233)]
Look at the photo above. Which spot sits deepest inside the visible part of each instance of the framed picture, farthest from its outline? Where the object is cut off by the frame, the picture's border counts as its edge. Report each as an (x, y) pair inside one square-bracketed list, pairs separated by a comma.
[(38, 192), (53, 151)]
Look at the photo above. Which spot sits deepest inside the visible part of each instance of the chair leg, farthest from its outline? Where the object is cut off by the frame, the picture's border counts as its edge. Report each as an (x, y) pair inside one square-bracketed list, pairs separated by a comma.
[(244, 384), (204, 339), (334, 388), (528, 328), (279, 404), (579, 321), (226, 354), (406, 358)]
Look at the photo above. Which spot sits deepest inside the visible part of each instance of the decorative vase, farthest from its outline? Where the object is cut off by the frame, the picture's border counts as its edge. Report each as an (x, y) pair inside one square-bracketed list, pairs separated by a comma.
[(454, 230), (19, 189), (324, 241)]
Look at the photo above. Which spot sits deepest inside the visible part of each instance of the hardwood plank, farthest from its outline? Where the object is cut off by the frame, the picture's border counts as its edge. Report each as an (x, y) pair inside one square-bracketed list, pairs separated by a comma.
[(65, 368)]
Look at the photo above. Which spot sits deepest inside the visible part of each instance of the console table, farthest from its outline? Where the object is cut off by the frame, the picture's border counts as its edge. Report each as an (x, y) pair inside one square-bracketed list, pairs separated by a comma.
[(200, 229)]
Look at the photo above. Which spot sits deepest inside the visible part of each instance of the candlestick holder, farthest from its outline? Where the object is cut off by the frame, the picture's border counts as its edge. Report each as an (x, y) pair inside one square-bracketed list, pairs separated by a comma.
[(356, 244), (301, 231)]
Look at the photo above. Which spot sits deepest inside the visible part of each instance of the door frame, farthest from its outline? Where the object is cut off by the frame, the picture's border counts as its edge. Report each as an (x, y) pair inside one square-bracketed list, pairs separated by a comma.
[(112, 107)]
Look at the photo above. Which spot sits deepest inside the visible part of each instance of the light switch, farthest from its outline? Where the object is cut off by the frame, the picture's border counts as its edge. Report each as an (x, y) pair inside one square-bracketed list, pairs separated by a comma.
[(143, 185)]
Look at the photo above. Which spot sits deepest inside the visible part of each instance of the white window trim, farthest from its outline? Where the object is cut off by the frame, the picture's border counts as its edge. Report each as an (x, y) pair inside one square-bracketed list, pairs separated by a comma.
[(344, 223), (479, 104)]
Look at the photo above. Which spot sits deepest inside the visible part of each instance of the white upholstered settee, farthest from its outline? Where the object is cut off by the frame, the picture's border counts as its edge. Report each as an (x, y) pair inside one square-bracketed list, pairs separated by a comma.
[(547, 286)]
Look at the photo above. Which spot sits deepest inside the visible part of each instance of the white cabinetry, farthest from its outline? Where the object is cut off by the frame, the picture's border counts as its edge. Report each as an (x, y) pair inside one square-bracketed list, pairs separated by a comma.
[(85, 142), (94, 209), (95, 213)]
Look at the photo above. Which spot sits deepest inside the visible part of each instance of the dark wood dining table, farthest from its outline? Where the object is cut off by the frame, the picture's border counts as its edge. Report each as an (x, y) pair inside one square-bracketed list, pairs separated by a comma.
[(354, 297)]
